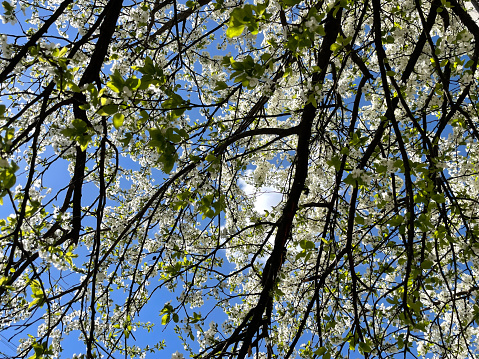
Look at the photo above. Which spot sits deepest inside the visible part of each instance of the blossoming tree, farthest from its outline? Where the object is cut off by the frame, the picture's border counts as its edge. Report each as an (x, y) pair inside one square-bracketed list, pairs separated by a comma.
[(139, 139)]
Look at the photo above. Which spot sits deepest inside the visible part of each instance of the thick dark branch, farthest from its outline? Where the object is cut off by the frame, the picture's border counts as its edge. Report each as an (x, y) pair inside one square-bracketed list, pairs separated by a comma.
[(107, 28), (466, 18), (275, 261), (431, 20)]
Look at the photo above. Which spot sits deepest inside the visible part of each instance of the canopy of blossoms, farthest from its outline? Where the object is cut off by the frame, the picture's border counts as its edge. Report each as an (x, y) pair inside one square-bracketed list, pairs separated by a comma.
[(275, 179)]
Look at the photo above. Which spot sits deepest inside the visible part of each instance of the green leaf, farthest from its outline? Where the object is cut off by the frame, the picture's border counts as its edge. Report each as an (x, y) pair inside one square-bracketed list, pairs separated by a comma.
[(427, 264), (335, 161), (8, 7), (287, 72), (196, 318), (182, 132), (118, 119), (165, 319), (390, 39), (168, 162), (83, 141), (108, 110), (350, 180), (305, 244), (7, 178), (133, 83), (3, 280), (335, 47), (235, 31), (211, 157), (265, 57), (39, 300), (359, 220), (113, 87), (320, 351), (172, 102), (469, 63), (127, 139), (173, 137), (79, 125), (221, 85), (364, 347), (396, 220), (74, 87)]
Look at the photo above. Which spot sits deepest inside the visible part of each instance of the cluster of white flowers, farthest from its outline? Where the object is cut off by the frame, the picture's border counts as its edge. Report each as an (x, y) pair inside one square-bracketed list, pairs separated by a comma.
[(177, 355), (6, 49), (207, 338)]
